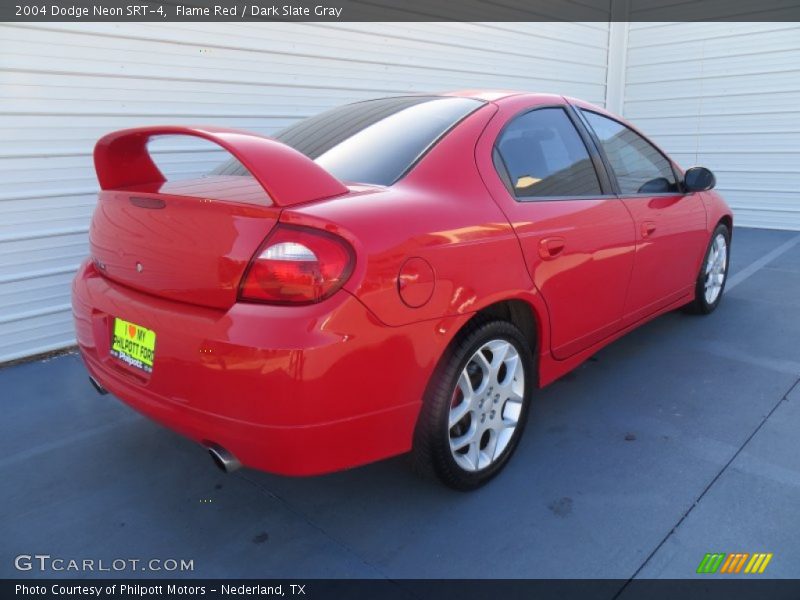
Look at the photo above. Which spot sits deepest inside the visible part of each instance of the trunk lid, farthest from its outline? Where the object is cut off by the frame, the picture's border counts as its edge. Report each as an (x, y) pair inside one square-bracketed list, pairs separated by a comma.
[(192, 240), (158, 239)]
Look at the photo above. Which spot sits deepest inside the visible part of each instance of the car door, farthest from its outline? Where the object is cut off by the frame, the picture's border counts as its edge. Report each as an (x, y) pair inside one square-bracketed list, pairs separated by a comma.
[(576, 236), (670, 225)]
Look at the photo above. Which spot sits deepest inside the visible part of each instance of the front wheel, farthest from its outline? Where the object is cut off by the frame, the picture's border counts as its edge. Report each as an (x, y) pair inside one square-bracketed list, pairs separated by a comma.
[(476, 406), (713, 274)]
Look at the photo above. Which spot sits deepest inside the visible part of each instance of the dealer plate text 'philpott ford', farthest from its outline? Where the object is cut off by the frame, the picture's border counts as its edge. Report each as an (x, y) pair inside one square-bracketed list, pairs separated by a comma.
[(133, 344)]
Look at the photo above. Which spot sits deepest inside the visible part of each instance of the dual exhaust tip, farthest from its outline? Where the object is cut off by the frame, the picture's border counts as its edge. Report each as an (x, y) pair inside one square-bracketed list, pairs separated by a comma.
[(224, 460), (97, 386)]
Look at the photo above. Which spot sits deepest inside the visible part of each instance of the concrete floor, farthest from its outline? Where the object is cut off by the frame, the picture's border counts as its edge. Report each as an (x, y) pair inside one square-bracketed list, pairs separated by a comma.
[(678, 440)]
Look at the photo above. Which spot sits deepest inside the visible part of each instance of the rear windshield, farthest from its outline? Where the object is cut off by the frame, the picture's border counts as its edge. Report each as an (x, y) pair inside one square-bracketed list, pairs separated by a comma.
[(375, 141)]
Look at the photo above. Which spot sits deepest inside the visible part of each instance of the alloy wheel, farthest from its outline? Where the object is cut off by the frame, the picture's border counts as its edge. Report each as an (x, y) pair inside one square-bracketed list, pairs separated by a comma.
[(716, 268), (486, 405)]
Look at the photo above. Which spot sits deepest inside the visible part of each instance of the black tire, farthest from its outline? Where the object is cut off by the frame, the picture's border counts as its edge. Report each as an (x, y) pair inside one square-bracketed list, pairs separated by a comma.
[(700, 305), (431, 452)]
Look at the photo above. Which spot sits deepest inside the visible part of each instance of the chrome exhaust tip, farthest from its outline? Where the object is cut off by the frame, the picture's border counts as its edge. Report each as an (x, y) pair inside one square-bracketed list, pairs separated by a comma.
[(224, 460), (96, 384)]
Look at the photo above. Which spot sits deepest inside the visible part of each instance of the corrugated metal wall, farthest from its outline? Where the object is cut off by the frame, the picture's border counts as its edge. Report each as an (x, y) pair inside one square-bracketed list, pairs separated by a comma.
[(64, 85), (721, 94), (727, 96)]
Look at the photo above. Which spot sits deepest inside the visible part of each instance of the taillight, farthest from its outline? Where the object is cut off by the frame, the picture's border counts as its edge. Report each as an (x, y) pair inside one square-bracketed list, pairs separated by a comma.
[(297, 265)]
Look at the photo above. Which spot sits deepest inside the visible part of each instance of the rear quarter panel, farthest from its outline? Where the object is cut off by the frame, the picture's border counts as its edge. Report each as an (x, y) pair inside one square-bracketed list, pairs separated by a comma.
[(441, 212)]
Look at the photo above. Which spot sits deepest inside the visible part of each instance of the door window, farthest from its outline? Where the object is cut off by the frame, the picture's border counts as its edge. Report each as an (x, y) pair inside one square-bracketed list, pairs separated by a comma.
[(541, 154), (639, 167)]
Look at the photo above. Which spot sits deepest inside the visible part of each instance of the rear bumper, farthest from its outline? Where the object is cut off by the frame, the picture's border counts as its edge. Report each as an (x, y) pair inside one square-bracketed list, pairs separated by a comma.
[(289, 390)]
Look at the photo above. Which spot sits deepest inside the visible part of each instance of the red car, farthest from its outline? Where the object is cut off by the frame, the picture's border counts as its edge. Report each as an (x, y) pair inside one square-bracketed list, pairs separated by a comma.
[(392, 275)]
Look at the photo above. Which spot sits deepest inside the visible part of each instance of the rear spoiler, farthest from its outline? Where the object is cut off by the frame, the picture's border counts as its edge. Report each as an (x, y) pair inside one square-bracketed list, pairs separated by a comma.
[(121, 160)]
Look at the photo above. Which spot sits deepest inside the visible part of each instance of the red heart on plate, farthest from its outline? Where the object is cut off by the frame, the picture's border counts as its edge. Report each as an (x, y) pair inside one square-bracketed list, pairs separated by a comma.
[(132, 330)]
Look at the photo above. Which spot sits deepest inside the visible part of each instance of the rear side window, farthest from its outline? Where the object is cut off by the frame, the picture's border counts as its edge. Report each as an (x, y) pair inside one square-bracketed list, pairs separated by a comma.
[(375, 141), (543, 155), (639, 167)]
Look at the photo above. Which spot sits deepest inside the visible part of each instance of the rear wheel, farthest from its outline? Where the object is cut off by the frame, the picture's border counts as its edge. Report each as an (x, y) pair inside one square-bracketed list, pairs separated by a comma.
[(475, 411), (713, 274)]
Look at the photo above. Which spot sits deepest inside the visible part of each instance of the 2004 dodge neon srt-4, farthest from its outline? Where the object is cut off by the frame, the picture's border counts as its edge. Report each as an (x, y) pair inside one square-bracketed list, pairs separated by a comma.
[(392, 275)]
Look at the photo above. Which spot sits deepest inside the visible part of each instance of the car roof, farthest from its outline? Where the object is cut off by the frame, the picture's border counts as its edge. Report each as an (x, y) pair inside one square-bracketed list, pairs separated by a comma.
[(486, 95), (499, 95)]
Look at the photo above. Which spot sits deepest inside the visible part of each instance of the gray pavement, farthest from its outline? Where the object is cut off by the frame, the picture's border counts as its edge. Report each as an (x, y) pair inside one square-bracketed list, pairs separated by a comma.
[(679, 439)]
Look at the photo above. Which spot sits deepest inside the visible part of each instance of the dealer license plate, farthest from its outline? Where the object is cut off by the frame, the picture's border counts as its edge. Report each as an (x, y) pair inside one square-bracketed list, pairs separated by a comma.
[(133, 344)]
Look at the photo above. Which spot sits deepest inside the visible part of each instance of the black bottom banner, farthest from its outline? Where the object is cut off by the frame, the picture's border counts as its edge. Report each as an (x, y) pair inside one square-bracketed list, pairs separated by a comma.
[(403, 589)]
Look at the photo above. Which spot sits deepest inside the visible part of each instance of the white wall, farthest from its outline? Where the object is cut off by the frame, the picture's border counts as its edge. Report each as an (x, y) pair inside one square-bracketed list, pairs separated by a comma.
[(727, 96), (62, 85)]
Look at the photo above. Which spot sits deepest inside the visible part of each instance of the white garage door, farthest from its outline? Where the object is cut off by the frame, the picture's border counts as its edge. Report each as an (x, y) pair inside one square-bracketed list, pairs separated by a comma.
[(726, 96), (64, 85)]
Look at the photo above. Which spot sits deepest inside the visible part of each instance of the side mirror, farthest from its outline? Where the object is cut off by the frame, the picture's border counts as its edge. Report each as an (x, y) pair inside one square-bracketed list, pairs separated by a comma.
[(698, 179)]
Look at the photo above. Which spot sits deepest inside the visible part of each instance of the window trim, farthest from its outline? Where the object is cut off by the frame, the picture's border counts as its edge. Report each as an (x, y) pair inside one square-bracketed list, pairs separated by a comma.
[(606, 186), (579, 110)]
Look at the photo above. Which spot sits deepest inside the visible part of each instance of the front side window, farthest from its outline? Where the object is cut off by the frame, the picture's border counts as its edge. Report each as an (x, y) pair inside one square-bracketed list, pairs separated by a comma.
[(542, 154), (375, 141), (639, 167)]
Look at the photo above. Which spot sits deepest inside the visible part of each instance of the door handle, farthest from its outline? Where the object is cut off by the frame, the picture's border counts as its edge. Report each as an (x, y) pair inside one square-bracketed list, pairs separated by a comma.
[(648, 227), (551, 247)]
